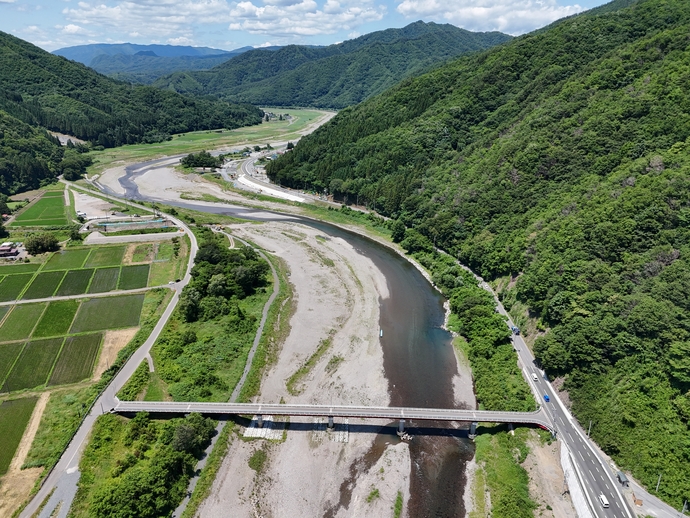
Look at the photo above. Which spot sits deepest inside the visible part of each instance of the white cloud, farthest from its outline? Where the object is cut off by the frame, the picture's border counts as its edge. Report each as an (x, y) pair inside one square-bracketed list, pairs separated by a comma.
[(7, 1), (182, 40), (155, 18), (511, 16), (290, 18), (73, 29)]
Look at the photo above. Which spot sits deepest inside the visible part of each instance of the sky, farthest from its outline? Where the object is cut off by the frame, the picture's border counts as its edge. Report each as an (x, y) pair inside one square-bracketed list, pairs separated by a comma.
[(229, 24)]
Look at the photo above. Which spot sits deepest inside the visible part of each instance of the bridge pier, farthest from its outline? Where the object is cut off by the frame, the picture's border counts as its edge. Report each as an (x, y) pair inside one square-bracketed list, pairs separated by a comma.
[(260, 421), (473, 430), (401, 426), (330, 422)]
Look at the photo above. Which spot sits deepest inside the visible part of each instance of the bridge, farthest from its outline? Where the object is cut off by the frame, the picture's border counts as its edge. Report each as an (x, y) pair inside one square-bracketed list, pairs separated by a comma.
[(538, 418)]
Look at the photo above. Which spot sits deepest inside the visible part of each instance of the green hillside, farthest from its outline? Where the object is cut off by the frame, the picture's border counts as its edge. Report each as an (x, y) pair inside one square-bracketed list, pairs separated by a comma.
[(145, 69), (563, 159), (335, 76), (47, 90)]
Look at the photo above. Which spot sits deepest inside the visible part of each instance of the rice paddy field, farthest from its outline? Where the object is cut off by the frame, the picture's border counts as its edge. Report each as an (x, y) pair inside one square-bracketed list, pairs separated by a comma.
[(76, 282), (34, 365), (12, 286), (57, 319), (43, 285), (105, 279), (133, 277), (109, 313), (21, 321), (14, 416), (77, 359), (106, 256), (8, 355), (67, 259), (49, 210)]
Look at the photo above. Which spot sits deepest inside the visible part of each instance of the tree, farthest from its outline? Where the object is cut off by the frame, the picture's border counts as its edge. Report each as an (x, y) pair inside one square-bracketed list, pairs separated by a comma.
[(40, 243), (398, 231), (290, 145)]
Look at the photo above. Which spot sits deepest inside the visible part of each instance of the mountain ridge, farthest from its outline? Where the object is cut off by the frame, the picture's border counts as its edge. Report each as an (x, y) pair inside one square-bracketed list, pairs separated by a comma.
[(320, 76)]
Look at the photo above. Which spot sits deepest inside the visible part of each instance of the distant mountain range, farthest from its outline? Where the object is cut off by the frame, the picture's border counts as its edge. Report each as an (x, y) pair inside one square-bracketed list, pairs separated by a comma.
[(334, 76), (42, 89), (145, 63)]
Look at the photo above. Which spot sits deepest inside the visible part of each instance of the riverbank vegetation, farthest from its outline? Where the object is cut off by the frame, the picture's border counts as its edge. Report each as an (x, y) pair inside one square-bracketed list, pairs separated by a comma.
[(139, 467), (562, 160)]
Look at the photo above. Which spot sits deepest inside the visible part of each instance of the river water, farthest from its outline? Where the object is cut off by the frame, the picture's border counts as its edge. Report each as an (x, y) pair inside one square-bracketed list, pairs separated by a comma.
[(419, 364)]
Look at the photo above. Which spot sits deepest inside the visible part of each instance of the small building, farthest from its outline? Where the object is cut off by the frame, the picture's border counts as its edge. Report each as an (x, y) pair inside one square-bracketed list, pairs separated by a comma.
[(622, 479), (8, 250)]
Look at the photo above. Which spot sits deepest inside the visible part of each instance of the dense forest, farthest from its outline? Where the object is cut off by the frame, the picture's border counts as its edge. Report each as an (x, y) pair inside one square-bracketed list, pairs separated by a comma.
[(560, 161), (335, 76), (30, 157), (61, 95)]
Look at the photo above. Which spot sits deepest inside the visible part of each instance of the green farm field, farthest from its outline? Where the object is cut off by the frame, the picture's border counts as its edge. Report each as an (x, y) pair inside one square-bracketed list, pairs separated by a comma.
[(108, 313), (57, 318), (106, 256), (43, 285), (14, 416), (105, 279), (3, 311), (12, 285), (133, 277), (8, 355), (48, 210), (75, 283), (206, 140), (67, 259), (142, 253), (34, 365), (20, 322), (76, 359), (10, 269)]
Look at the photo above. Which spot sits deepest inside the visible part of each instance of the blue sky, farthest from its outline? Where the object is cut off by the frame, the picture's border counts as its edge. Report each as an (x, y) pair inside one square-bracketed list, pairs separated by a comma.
[(228, 24)]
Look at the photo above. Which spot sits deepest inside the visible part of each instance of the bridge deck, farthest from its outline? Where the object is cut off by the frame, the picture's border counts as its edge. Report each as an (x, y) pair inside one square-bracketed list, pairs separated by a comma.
[(366, 412)]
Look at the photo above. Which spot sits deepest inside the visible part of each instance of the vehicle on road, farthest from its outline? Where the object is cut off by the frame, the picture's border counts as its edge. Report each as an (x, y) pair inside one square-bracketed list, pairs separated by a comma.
[(604, 501), (547, 398), (534, 377)]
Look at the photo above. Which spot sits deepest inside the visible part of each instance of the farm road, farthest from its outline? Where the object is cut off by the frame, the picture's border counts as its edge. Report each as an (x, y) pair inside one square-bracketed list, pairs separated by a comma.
[(87, 295), (62, 480)]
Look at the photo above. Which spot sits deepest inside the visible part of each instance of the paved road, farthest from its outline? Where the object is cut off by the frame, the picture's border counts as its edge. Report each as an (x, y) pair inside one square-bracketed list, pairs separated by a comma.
[(65, 475), (596, 476), (365, 412)]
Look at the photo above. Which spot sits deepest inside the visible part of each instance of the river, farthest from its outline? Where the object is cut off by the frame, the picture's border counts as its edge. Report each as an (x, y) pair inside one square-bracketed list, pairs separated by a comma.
[(419, 363)]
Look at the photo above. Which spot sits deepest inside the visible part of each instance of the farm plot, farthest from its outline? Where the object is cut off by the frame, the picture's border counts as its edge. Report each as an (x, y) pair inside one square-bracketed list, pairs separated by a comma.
[(49, 210), (74, 283), (14, 416), (19, 268), (20, 322), (8, 354), (106, 256), (142, 253), (133, 277), (57, 319), (164, 252), (3, 311), (108, 313), (76, 359), (105, 279), (34, 365), (43, 285), (67, 259), (12, 285)]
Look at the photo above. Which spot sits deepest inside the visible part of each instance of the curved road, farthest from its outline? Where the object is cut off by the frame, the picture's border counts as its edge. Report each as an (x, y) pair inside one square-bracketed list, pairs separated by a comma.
[(65, 475)]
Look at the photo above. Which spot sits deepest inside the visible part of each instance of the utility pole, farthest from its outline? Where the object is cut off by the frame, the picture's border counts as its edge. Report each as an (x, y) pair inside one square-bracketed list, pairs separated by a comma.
[(685, 506), (590, 427), (658, 482)]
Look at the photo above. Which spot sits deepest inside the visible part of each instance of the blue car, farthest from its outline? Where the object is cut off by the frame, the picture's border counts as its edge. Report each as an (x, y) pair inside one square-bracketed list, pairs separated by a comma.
[(546, 398)]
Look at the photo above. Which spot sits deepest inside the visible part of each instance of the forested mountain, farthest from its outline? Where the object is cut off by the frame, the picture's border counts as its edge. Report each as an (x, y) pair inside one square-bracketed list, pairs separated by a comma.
[(335, 76), (145, 68), (28, 156), (51, 91), (563, 159), (85, 54)]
